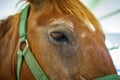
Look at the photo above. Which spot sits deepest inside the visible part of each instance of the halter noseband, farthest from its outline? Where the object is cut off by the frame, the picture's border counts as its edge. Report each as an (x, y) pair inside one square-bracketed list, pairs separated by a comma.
[(27, 55)]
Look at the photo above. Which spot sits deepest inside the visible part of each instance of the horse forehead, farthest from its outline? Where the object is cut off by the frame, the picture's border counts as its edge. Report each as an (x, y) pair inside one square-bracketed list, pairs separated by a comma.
[(62, 21), (71, 25)]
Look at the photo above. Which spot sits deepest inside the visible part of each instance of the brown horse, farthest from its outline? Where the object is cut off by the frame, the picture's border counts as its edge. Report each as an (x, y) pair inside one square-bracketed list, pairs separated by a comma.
[(65, 38)]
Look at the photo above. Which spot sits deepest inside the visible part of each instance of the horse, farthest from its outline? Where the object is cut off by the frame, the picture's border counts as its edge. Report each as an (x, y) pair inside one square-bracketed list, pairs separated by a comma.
[(65, 38)]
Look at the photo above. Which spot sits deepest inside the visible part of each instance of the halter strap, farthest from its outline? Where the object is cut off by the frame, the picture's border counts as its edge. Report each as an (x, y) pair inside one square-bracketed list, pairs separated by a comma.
[(109, 77), (26, 54)]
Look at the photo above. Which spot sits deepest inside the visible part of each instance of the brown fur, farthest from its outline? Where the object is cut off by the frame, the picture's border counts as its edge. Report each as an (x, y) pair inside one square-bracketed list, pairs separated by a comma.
[(9, 37), (3, 29), (86, 57)]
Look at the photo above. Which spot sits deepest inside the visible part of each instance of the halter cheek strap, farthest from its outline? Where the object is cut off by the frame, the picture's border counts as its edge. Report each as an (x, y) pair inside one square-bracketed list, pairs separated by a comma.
[(26, 54), (109, 77)]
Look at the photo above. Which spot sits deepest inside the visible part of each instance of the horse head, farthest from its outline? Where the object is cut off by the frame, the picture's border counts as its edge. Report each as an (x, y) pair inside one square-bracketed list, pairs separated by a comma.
[(67, 41)]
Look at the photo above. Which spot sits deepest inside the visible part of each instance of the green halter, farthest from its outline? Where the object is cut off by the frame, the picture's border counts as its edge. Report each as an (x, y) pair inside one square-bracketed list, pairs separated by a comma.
[(27, 55), (109, 77)]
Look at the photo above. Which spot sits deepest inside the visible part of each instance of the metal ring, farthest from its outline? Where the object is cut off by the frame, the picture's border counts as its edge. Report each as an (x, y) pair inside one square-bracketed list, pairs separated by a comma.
[(23, 42)]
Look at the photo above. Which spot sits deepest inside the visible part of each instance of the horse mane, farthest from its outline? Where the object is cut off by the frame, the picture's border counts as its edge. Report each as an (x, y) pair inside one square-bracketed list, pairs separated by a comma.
[(77, 8)]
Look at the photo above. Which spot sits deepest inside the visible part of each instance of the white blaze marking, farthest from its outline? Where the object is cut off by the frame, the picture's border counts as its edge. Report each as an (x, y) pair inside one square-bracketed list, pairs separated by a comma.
[(92, 27), (83, 35)]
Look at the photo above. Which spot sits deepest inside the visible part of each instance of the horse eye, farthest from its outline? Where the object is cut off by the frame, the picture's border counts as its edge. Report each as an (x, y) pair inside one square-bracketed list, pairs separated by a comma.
[(59, 36)]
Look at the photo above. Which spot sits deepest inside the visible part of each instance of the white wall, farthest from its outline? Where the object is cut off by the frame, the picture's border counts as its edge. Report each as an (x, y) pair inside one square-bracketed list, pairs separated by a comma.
[(9, 7)]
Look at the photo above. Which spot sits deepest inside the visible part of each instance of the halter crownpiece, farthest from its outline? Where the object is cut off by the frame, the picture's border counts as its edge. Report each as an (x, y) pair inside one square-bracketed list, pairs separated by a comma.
[(27, 55)]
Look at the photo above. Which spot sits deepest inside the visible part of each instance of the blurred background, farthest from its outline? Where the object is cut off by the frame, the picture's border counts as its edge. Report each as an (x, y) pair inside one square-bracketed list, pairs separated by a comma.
[(107, 11)]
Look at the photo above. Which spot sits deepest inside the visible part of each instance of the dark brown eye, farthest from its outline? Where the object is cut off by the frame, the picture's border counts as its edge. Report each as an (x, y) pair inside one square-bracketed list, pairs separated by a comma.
[(59, 36)]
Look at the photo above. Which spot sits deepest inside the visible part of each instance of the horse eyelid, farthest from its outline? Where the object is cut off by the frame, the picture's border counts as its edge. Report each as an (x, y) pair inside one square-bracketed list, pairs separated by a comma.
[(59, 37)]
